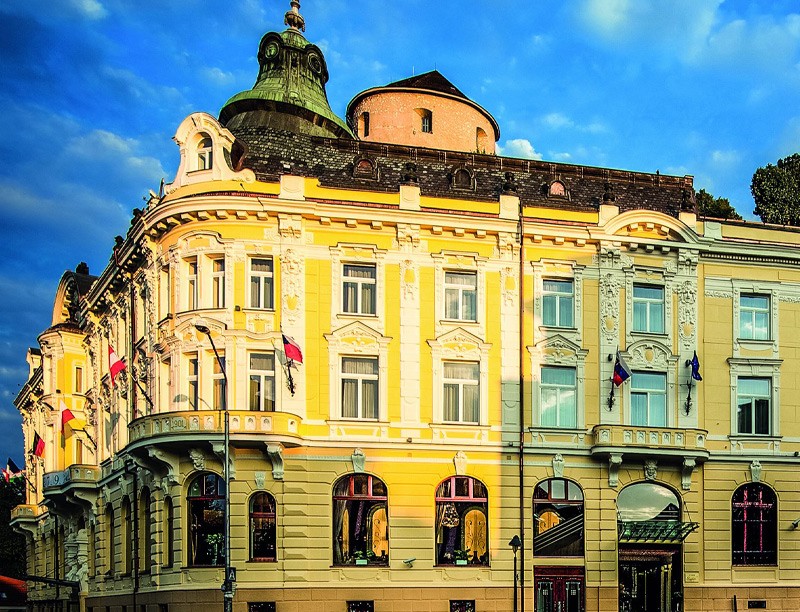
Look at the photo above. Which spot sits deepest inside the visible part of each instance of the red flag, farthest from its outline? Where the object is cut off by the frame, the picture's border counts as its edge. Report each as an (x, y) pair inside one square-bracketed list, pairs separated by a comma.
[(292, 349), (67, 418), (115, 364), (38, 445)]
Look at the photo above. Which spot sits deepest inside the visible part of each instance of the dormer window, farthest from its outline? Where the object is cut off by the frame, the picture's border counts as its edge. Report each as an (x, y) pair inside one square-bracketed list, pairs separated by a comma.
[(364, 125), (426, 120), (205, 156), (558, 189)]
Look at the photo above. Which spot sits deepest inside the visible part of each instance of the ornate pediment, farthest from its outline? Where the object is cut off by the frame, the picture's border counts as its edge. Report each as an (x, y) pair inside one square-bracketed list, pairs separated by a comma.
[(356, 337), (459, 344), (651, 354), (559, 349)]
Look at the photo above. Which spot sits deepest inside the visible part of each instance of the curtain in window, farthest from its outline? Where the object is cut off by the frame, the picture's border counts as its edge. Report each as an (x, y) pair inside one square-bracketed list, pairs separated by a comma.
[(350, 398), (369, 397), (471, 404), (450, 408), (559, 408)]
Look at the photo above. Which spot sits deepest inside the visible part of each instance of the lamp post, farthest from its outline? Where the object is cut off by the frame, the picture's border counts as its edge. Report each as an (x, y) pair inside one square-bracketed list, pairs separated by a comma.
[(227, 583), (515, 543)]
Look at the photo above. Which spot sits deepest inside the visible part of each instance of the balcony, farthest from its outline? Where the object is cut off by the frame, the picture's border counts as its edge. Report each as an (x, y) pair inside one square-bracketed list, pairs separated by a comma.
[(24, 514), (71, 488), (660, 443), (195, 426)]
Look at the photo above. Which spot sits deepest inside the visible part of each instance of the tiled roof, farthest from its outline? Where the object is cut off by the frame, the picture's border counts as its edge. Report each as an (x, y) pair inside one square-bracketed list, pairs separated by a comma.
[(433, 80), (271, 152)]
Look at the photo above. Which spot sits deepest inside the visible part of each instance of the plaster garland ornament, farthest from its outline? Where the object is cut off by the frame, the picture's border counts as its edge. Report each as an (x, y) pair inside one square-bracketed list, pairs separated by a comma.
[(609, 306), (409, 279), (292, 282), (755, 471)]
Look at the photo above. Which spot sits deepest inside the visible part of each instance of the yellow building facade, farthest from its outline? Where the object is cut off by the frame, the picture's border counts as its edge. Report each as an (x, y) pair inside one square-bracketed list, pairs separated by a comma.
[(461, 318)]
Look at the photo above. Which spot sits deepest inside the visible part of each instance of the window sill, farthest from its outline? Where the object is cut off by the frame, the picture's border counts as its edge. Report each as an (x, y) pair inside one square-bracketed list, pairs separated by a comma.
[(649, 334), (264, 560), (459, 321), (558, 328), (358, 315), (755, 437)]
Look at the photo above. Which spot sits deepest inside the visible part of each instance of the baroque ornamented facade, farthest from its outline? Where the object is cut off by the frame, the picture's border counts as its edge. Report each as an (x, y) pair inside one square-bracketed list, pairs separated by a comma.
[(461, 316)]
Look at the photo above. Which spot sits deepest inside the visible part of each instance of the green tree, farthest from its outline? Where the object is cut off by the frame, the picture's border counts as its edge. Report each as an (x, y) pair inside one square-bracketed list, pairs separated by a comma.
[(12, 544), (776, 191), (718, 208)]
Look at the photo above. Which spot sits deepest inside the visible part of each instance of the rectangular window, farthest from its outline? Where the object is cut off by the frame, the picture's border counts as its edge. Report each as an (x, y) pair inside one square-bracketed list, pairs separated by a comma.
[(754, 315), (649, 399), (218, 283), (753, 398), (261, 606), (358, 289), (427, 121), (558, 301), (360, 606), (261, 283), (648, 309), (220, 394), (359, 388), (461, 402), (462, 605), (78, 379), (193, 380), (559, 398), (461, 296), (262, 381), (191, 294)]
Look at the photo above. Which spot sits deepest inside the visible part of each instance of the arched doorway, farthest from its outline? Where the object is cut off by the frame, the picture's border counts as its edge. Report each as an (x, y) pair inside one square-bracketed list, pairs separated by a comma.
[(651, 536)]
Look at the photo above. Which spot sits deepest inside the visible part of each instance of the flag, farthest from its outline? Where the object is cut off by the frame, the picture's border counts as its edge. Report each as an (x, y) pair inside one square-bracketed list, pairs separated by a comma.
[(67, 418), (292, 349), (4, 474), (621, 371), (38, 445), (115, 364), (695, 363), (12, 471)]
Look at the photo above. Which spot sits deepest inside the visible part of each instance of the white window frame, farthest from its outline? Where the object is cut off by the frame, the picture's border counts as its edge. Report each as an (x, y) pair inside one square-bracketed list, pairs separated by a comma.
[(460, 384), (753, 312), (459, 345), (649, 393), (558, 297), (744, 368), (218, 282), (263, 278), (218, 379), (360, 283), (205, 153), (461, 290), (768, 348), (265, 377), (360, 379), (192, 283), (648, 302), (650, 356), (193, 391), (544, 387), (767, 396)]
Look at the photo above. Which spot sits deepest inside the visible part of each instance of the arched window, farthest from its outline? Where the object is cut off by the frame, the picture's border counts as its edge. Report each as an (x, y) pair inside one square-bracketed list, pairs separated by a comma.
[(754, 530), (426, 120), (110, 537), (126, 524), (462, 179), (168, 533), (481, 140), (462, 532), (145, 558), (206, 503), (205, 160), (360, 521), (558, 519), (263, 536)]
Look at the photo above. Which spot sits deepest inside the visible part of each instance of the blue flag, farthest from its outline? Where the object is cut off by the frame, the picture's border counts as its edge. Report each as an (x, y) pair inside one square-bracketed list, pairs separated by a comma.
[(695, 363)]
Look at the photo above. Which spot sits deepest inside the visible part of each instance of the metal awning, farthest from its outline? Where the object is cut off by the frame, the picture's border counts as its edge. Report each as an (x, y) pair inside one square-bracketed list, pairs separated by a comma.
[(654, 532)]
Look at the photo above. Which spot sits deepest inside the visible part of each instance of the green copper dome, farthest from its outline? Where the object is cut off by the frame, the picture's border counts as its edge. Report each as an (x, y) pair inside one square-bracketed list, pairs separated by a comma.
[(289, 92)]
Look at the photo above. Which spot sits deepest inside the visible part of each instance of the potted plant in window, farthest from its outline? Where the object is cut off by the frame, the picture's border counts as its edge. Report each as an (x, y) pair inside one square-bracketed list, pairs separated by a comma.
[(363, 558), (461, 556), (214, 542)]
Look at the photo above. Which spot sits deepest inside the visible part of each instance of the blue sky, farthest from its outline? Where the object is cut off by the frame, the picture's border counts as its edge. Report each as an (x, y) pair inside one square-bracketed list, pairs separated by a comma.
[(91, 92)]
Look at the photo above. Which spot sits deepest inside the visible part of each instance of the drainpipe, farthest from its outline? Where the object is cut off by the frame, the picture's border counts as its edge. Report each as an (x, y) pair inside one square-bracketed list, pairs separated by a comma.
[(135, 511), (56, 550), (521, 407)]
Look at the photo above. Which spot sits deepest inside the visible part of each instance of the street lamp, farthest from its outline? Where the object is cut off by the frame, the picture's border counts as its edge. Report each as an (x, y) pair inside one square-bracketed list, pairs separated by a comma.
[(515, 543), (230, 577)]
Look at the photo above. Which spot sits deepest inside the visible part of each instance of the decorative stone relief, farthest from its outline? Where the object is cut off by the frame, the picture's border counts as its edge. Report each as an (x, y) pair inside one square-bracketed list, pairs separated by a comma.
[(507, 245), (407, 237), (652, 354), (609, 306), (197, 458), (275, 452), (260, 478), (650, 469), (614, 463), (359, 459), (409, 279), (290, 227), (292, 284), (460, 462), (558, 465), (509, 285), (686, 473), (687, 298), (755, 471)]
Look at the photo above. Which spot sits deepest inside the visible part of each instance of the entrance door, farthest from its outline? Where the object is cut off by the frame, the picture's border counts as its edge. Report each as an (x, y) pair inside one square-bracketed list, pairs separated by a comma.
[(649, 581), (558, 589)]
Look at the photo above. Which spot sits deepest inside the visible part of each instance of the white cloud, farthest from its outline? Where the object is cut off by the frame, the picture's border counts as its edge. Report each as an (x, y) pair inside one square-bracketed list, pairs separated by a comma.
[(518, 147), (90, 8), (562, 157), (557, 121), (725, 159), (217, 76)]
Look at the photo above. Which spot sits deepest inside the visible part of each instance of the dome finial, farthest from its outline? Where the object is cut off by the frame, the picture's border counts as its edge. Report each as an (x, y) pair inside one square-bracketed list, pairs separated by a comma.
[(293, 18)]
